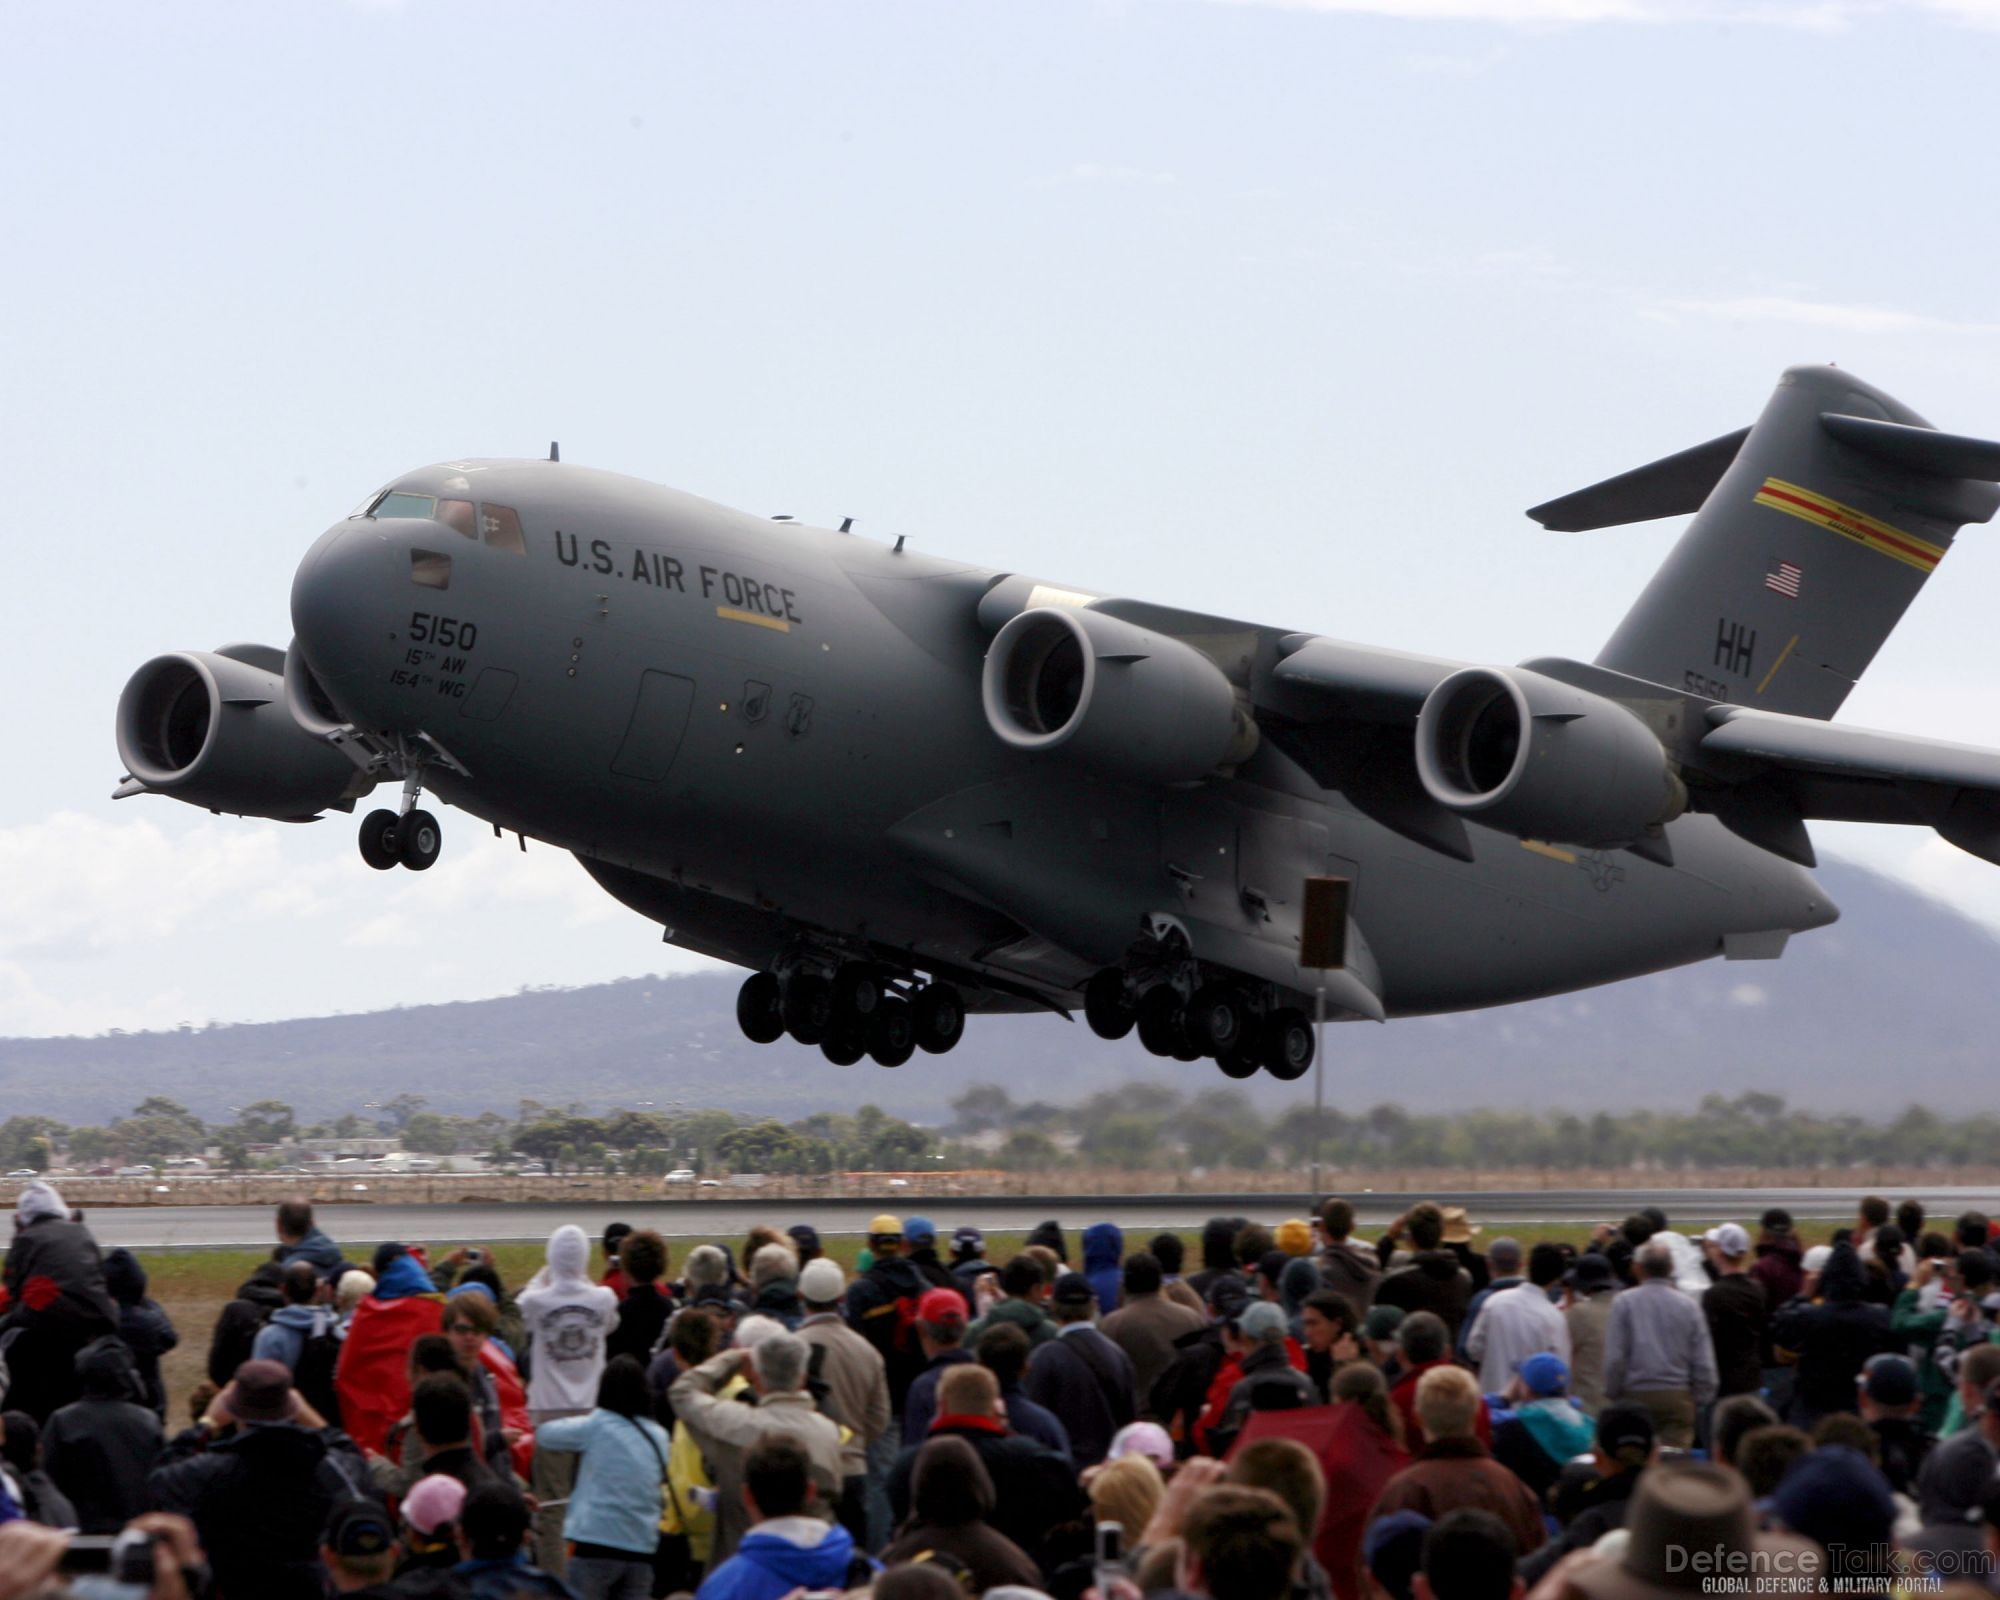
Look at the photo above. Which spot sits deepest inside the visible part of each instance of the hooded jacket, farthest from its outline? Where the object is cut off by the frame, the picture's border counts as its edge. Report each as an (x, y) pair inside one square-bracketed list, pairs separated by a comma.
[(372, 1376), (99, 1449), (1433, 1281), (236, 1327), (1030, 1318), (1352, 1270), (881, 1305), (54, 1275), (285, 1335), (1779, 1266), (1832, 1339), (779, 1556), (1049, 1235), (568, 1320), (144, 1327), (951, 1502), (315, 1247), (1103, 1256)]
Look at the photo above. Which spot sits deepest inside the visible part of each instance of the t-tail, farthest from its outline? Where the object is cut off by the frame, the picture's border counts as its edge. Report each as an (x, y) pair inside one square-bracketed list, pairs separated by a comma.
[(1813, 531)]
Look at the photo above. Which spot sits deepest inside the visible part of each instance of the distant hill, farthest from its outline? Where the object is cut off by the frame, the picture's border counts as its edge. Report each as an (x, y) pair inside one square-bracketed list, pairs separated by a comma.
[(1894, 1003)]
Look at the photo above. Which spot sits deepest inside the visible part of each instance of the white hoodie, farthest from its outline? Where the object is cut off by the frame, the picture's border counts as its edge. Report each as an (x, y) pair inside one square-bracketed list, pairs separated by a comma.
[(568, 1319)]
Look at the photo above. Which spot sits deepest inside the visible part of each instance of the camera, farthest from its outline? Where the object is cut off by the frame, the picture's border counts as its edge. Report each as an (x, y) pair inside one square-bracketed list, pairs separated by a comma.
[(111, 1567)]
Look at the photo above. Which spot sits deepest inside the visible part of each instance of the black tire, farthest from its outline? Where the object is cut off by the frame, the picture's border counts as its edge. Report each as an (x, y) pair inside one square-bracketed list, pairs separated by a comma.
[(760, 1008), (378, 840), (842, 1049), (940, 1017), (808, 1007), (1217, 1019), (857, 990), (1105, 1006), (1238, 1065), (1160, 1029), (892, 1033), (1288, 1045), (418, 840)]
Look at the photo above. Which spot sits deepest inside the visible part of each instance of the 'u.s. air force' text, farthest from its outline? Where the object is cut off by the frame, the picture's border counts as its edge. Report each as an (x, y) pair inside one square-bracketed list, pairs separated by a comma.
[(658, 570)]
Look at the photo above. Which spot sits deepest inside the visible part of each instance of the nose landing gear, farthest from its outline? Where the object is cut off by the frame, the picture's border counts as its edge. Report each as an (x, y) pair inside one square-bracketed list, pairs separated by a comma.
[(408, 836)]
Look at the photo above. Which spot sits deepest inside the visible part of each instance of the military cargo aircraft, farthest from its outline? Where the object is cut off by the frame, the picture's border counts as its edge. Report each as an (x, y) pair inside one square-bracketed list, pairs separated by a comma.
[(901, 789)]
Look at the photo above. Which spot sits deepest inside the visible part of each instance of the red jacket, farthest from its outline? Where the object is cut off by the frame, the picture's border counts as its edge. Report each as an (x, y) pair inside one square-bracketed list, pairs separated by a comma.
[(513, 1396), (1227, 1377), (1357, 1459), (372, 1376)]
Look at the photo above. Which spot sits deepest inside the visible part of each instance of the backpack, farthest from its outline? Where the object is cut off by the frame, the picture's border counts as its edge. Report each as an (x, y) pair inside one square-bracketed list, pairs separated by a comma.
[(313, 1376)]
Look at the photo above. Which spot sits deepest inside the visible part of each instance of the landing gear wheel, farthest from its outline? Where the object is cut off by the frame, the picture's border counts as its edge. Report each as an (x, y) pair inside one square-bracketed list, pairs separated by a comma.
[(808, 1007), (1288, 1045), (418, 840), (1217, 1019), (892, 1032), (842, 1049), (760, 1008), (940, 1017), (378, 839), (857, 990), (1105, 1007), (1187, 1049), (1160, 1029), (1238, 1065)]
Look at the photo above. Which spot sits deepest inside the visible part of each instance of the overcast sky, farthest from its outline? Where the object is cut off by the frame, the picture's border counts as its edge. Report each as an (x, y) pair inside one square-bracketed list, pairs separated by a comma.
[(1279, 310)]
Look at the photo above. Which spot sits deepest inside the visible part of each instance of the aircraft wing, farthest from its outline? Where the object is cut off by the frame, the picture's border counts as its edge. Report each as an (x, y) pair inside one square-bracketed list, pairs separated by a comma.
[(1355, 680)]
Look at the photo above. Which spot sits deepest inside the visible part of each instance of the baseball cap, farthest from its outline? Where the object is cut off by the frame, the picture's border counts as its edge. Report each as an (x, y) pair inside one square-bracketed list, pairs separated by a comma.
[(1146, 1439), (942, 1308), (433, 1503), (1836, 1495), (968, 1242), (885, 1227), (262, 1392), (1263, 1321), (822, 1281), (1073, 1289), (1544, 1374), (1625, 1427), (918, 1230), (1383, 1321), (1816, 1258), (1393, 1547), (1731, 1239), (359, 1528), (1889, 1379)]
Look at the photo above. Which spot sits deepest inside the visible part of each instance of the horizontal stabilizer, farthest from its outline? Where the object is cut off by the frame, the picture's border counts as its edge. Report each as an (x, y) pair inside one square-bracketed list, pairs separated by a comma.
[(1942, 455), (1673, 486)]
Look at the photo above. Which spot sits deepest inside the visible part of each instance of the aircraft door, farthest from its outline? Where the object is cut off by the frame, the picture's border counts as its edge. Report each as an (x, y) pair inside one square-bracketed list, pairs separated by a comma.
[(654, 731)]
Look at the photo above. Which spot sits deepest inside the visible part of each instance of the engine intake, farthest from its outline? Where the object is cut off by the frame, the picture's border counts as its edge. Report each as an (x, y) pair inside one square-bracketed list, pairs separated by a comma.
[(214, 730), (1543, 760), (1128, 703)]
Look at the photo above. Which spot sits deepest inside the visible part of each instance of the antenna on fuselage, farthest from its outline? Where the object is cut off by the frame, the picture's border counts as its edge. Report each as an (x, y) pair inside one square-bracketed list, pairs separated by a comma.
[(846, 524), (555, 451), (899, 546)]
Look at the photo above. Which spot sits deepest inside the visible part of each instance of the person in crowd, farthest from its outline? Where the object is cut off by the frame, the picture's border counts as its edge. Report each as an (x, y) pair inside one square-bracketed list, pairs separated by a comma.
[(1238, 1544), (1657, 1349), (56, 1297), (1423, 1343), (1266, 1379), (1127, 1490), (1035, 1490), (1453, 1469), (301, 1318), (24, 1476), (302, 1239), (442, 1436), (951, 1510), (1517, 1319), (99, 1448), (1329, 1331), (1889, 1400), (856, 1380), (1955, 1486), (1171, 1252), (1736, 1311), (1591, 1498), (1004, 1351), (146, 1330), (1586, 1312), (1147, 1324), (1505, 1263), (499, 1400), (645, 1305), (354, 1287), (882, 1303), (1546, 1429), (1433, 1279), (1287, 1469), (776, 1368), (1467, 1555), (1218, 1254), (569, 1322), (1929, 1321), (789, 1547), (968, 1259), (256, 1300), (493, 1531), (1392, 1555), (613, 1243), (1380, 1331), (612, 1522), (1082, 1376), (1780, 1272), (1836, 1496), (1349, 1267), (774, 1285), (1103, 1251), (920, 1239), (805, 1242), (1830, 1337), (359, 1549), (696, 1334), (1023, 1302), (258, 1476), (1765, 1455), (430, 1513), (940, 1326), (1731, 1420)]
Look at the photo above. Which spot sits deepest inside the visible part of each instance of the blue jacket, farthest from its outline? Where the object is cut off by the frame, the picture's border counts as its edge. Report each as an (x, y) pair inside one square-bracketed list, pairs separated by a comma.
[(1103, 1251), (920, 1405), (315, 1247), (769, 1565), (616, 1500), (508, 1580), (284, 1337), (1035, 1422)]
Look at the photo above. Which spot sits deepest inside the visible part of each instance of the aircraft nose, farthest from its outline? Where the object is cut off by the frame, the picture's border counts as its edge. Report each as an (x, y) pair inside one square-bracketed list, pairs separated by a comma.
[(338, 594)]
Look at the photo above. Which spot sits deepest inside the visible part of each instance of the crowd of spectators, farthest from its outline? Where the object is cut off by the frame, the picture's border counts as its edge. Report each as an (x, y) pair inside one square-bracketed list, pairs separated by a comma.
[(1304, 1415)]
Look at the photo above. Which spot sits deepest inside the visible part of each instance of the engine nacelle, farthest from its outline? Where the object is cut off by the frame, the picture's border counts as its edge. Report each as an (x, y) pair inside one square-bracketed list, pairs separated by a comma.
[(1131, 704), (1523, 752), (214, 730)]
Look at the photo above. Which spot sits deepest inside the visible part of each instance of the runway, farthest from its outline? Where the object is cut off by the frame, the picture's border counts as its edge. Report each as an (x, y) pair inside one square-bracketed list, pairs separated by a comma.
[(215, 1227)]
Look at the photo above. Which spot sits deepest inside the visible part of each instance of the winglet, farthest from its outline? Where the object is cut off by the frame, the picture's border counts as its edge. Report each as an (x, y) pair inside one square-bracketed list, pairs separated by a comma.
[(1673, 486)]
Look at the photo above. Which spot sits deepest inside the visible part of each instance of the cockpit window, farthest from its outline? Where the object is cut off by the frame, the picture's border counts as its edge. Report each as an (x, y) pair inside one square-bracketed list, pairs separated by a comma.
[(398, 504), (501, 526), (457, 516)]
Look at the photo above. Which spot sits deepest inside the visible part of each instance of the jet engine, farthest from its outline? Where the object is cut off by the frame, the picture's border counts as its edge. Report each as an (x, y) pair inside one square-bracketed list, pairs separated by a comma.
[(1540, 759), (212, 728), (1130, 704)]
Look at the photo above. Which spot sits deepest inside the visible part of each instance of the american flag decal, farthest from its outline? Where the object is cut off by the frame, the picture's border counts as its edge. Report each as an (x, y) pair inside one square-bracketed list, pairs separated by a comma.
[(1784, 578)]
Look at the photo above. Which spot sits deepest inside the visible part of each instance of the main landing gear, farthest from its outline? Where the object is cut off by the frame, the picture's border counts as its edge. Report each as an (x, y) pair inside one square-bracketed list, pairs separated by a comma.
[(1240, 1027), (859, 1010)]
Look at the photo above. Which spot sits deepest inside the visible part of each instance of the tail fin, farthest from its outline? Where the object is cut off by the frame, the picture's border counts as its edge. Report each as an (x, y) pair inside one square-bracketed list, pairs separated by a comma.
[(1818, 528)]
